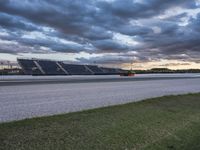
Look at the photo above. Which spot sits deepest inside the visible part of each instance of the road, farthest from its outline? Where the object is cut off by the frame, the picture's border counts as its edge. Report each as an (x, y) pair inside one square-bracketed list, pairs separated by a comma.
[(30, 80), (22, 98)]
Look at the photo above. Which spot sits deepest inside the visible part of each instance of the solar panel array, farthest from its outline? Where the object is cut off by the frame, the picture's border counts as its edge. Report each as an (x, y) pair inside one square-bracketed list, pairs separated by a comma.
[(74, 69), (95, 69), (48, 67), (29, 67)]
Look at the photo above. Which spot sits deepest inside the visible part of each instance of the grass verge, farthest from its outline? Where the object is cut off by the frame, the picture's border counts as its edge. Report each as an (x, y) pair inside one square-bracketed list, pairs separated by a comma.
[(170, 122)]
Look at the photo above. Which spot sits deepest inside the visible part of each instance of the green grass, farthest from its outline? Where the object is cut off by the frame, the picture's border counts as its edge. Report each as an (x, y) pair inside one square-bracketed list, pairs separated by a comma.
[(171, 122)]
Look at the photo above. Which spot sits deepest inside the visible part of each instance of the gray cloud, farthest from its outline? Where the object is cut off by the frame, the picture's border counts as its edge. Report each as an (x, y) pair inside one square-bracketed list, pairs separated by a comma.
[(10, 22), (110, 46), (90, 26)]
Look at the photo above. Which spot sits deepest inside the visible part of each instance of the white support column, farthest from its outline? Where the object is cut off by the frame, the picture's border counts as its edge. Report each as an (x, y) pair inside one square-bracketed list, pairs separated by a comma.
[(39, 67), (86, 67), (61, 67)]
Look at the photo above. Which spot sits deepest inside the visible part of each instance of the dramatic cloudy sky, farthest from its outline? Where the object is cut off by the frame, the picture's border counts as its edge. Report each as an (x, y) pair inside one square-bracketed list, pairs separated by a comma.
[(147, 33)]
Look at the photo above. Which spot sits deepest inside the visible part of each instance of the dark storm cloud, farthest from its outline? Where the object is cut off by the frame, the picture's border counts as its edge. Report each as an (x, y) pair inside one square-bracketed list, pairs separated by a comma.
[(132, 30), (15, 23), (110, 46), (70, 17), (195, 23), (92, 25), (147, 8)]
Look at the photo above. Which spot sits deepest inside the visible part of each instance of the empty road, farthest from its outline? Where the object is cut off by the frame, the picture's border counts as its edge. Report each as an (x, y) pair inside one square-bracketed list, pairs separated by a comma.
[(27, 97)]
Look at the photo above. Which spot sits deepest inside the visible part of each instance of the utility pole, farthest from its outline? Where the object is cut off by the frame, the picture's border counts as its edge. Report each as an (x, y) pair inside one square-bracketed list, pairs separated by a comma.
[(8, 64), (131, 65)]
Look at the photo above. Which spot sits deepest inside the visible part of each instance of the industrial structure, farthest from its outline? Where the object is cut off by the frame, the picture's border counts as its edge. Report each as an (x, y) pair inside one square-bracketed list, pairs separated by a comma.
[(50, 67)]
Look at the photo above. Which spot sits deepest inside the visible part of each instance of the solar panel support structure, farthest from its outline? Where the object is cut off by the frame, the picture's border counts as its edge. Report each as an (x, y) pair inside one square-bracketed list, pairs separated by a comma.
[(39, 67), (89, 69), (63, 69)]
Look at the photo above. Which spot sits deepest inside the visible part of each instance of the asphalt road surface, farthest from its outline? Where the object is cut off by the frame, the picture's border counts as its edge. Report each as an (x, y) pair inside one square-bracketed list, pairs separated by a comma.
[(26, 96)]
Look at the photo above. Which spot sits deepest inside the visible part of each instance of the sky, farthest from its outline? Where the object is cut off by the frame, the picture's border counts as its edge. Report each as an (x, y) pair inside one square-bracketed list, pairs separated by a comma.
[(143, 34)]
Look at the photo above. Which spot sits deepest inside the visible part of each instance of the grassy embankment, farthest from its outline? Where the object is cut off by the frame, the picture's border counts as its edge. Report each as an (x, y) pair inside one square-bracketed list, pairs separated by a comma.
[(171, 122)]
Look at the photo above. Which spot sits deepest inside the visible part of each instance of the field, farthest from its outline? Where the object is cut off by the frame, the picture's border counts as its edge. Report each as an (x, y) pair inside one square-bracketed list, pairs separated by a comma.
[(170, 122)]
